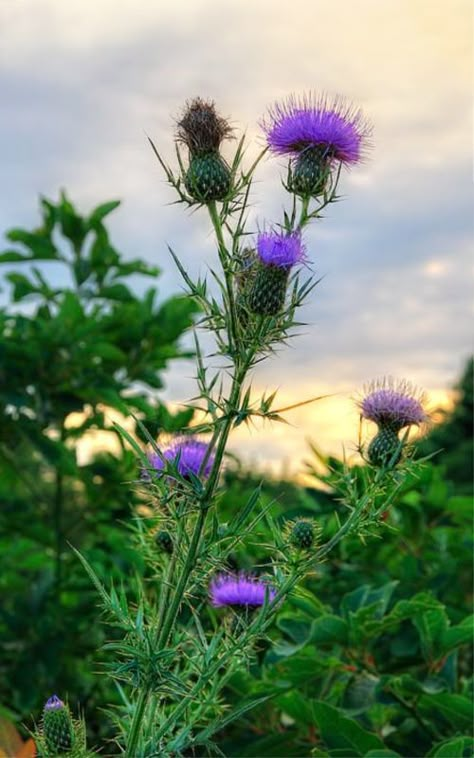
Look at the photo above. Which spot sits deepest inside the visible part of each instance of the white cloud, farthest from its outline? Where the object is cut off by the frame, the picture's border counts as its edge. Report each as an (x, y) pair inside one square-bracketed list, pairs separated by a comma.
[(83, 80)]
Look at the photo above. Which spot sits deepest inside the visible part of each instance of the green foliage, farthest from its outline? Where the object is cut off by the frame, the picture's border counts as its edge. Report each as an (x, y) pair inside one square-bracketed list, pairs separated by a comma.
[(373, 657), (76, 347)]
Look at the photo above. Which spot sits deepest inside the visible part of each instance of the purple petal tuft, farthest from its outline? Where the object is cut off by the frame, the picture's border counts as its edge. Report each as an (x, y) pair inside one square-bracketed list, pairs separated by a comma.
[(187, 455), (53, 704), (280, 249), (332, 124), (396, 404), (244, 590)]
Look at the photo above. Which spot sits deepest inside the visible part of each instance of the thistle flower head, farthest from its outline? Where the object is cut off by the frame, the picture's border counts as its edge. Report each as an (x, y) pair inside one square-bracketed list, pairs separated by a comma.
[(57, 728), (280, 249), (240, 590), (393, 404), (53, 704), (332, 125), (200, 127), (187, 454)]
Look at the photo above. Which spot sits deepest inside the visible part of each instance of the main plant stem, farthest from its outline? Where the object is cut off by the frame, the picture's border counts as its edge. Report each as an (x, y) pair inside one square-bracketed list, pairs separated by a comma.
[(224, 261), (241, 368)]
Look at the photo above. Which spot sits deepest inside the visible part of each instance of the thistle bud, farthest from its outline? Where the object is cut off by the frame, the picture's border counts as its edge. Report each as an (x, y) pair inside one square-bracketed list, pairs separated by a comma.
[(302, 534), (385, 448), (393, 406), (164, 541), (277, 253), (317, 133), (57, 727), (310, 175), (202, 130), (267, 297), (208, 178)]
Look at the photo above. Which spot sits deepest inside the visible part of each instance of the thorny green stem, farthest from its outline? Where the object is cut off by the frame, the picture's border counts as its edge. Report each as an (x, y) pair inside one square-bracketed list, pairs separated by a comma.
[(134, 734), (224, 260), (167, 617), (207, 496)]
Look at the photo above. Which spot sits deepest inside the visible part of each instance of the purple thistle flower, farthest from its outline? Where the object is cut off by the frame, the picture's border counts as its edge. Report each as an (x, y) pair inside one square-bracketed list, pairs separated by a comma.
[(280, 249), (241, 590), (187, 455), (333, 125), (393, 404), (53, 704)]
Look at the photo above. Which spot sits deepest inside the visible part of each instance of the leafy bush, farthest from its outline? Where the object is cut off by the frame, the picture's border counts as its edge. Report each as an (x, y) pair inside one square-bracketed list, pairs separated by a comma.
[(373, 654), (78, 344)]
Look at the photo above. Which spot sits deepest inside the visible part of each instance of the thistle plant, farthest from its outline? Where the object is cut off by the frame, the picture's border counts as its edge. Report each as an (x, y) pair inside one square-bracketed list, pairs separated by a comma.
[(176, 653), (392, 406)]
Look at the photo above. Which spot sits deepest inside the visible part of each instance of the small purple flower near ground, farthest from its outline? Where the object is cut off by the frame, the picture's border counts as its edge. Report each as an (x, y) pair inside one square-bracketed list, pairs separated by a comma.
[(393, 404), (187, 455), (53, 704), (280, 249), (331, 124), (240, 590)]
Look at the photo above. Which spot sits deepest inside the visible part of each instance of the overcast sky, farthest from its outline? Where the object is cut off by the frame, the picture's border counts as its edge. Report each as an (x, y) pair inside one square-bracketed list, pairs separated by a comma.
[(81, 83)]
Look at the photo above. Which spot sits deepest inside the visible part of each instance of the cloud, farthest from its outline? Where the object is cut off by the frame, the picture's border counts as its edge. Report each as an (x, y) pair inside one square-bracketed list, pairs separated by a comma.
[(82, 82)]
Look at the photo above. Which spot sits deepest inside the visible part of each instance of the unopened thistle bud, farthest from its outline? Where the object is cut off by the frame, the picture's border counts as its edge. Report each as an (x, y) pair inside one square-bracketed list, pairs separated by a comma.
[(302, 534), (310, 174), (277, 253), (57, 727), (164, 541), (393, 406), (202, 130), (317, 133)]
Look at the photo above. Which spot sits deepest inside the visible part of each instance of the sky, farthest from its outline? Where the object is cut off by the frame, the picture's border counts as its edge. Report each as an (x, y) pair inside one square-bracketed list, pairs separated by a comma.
[(83, 82)]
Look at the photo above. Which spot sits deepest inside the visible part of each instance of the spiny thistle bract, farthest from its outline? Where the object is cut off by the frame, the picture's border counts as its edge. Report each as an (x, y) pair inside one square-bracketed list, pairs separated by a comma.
[(202, 130), (385, 448), (316, 132), (303, 534), (59, 734), (277, 253), (392, 405), (189, 455), (57, 726), (241, 591)]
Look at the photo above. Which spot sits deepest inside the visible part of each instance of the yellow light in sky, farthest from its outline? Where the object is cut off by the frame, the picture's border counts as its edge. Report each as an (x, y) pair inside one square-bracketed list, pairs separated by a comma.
[(281, 449)]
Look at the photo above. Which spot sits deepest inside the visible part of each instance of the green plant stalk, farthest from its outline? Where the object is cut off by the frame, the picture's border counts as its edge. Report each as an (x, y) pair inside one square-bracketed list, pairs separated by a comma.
[(206, 500), (223, 257), (205, 504), (170, 617)]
